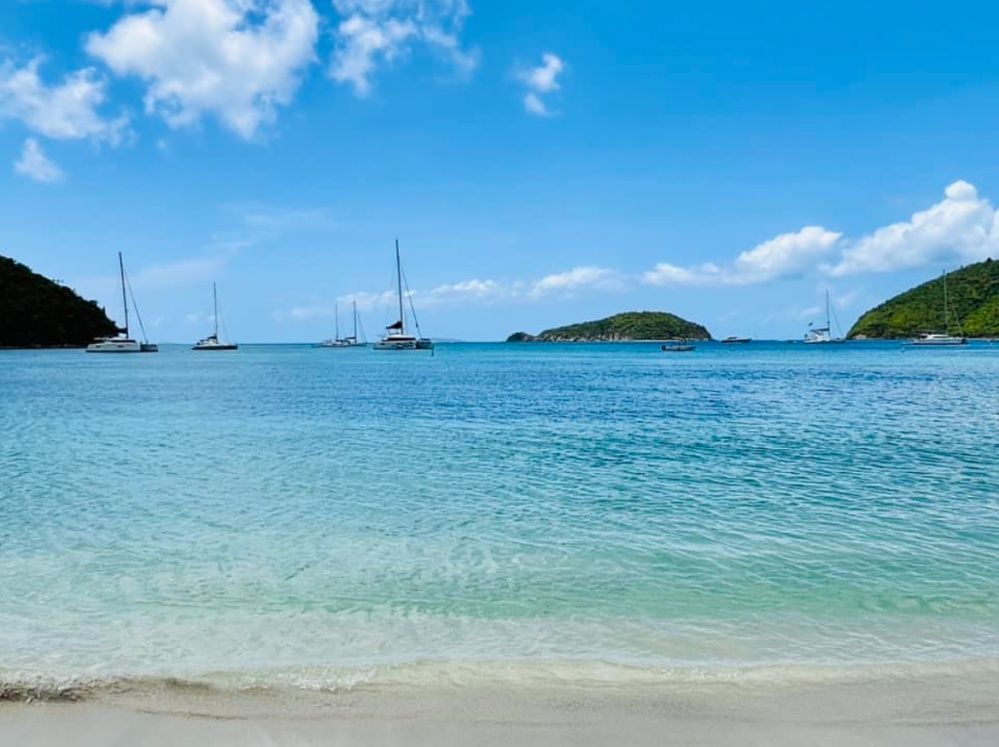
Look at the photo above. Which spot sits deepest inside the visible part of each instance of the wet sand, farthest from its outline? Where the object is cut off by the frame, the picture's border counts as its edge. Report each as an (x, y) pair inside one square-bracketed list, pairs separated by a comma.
[(940, 710)]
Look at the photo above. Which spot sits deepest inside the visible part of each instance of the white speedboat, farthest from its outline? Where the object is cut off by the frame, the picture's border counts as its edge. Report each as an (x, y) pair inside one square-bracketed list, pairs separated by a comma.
[(122, 342), (936, 339), (822, 335), (213, 342), (396, 337), (343, 342)]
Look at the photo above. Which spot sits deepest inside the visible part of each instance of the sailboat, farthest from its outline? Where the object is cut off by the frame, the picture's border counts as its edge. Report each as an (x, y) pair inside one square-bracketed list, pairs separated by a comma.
[(396, 337), (818, 335), (935, 338), (212, 342), (342, 342), (123, 342)]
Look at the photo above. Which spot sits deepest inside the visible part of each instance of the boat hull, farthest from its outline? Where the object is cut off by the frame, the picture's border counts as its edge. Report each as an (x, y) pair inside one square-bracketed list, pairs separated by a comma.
[(120, 346), (940, 342), (395, 345), (220, 346)]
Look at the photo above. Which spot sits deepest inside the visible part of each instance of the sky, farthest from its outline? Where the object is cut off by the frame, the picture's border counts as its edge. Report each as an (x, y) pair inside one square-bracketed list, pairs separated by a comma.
[(540, 163)]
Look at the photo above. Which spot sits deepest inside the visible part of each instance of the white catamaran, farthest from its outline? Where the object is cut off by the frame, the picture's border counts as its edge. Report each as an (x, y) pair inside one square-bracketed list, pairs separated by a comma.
[(937, 339), (123, 342), (343, 342), (819, 335), (397, 338), (212, 342)]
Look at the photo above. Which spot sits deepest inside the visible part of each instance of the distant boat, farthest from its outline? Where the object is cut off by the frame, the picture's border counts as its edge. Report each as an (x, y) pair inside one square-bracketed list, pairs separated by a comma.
[(935, 339), (396, 337), (123, 342), (342, 342), (676, 346), (733, 340), (212, 342), (819, 335)]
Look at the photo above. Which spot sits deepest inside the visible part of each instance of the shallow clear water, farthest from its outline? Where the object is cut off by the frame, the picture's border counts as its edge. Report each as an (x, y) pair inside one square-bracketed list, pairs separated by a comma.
[(292, 515)]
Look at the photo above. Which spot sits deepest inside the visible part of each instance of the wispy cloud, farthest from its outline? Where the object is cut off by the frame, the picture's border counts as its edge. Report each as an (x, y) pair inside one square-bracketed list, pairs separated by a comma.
[(475, 292), (540, 81), (34, 164), (69, 110), (376, 33)]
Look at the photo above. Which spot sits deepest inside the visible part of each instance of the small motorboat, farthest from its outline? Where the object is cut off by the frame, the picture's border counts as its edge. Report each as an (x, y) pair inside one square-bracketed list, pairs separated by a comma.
[(680, 346)]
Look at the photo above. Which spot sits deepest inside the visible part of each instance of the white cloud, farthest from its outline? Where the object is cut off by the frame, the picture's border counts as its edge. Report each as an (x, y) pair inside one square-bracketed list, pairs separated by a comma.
[(34, 164), (480, 292), (534, 105), (238, 60), (586, 277), (304, 313), (64, 111), (963, 227), (377, 32), (786, 255), (541, 80)]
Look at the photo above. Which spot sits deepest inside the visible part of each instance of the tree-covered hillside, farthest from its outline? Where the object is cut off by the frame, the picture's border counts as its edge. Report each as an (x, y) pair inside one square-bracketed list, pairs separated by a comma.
[(973, 303), (36, 312), (632, 325)]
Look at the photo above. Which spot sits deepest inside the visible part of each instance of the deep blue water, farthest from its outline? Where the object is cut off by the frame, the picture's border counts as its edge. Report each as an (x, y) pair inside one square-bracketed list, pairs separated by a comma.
[(300, 515)]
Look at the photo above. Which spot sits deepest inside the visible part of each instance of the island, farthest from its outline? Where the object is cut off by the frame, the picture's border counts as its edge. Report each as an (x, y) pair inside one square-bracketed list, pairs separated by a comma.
[(972, 300), (631, 325), (36, 312)]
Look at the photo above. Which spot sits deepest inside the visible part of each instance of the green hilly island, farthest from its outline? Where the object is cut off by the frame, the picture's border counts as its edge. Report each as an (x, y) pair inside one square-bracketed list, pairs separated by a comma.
[(973, 300), (632, 325), (36, 312)]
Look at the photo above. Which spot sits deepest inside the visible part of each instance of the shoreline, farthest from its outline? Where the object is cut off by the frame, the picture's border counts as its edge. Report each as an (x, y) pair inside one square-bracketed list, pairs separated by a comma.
[(927, 710)]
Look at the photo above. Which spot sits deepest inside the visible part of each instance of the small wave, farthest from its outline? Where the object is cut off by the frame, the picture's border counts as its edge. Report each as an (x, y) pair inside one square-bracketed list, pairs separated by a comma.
[(480, 674)]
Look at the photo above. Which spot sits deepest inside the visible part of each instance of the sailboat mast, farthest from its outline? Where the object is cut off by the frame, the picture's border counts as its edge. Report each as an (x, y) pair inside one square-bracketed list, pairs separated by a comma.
[(124, 298), (946, 316), (215, 304), (828, 324), (354, 303), (336, 320), (398, 277)]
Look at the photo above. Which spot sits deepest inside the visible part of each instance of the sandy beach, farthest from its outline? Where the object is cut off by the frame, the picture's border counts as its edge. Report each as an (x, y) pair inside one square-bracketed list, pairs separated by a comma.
[(939, 710)]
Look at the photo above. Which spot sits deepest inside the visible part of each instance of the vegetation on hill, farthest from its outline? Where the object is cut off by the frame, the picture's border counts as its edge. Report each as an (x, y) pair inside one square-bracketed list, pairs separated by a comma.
[(36, 312), (973, 307), (632, 325)]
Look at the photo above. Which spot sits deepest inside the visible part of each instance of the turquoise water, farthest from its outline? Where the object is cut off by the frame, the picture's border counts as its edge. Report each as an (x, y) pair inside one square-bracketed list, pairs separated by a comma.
[(287, 515)]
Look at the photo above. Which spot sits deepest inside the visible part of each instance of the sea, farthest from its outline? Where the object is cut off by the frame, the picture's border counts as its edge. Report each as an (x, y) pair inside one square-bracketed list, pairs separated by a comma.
[(290, 517)]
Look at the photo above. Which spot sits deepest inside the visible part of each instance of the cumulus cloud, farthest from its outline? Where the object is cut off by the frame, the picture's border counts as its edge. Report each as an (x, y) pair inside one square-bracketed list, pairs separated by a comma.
[(238, 60), (373, 33), (786, 255), (541, 80), (34, 164), (64, 111), (963, 227)]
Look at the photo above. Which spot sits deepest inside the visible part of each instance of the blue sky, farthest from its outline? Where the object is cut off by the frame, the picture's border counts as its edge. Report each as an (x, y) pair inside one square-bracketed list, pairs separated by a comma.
[(541, 163)]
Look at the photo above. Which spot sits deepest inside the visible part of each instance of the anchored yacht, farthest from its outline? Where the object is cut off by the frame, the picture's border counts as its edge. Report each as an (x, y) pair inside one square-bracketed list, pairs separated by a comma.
[(396, 337), (213, 342), (123, 342)]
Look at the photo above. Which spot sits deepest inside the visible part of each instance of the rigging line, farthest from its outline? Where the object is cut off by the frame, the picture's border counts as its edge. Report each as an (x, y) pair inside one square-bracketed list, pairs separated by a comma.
[(839, 329), (412, 309), (135, 306)]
